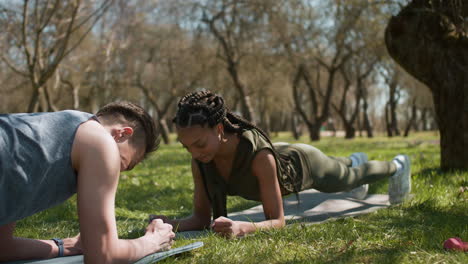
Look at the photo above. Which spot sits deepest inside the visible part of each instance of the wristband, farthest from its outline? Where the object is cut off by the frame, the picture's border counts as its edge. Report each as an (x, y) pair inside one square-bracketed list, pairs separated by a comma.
[(59, 243)]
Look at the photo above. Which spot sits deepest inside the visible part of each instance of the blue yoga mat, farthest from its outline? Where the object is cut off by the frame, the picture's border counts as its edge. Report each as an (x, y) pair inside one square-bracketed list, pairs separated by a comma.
[(146, 260)]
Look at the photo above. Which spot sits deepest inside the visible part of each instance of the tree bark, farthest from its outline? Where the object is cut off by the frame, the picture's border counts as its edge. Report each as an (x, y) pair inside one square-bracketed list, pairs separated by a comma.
[(367, 124), (412, 119), (366, 121), (429, 42), (294, 127)]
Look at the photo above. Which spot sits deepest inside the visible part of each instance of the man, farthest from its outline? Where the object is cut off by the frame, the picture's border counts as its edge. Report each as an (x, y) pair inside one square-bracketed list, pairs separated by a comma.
[(47, 157)]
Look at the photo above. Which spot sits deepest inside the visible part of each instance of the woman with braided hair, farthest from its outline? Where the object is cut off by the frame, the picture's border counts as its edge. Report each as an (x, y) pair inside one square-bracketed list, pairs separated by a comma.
[(232, 156)]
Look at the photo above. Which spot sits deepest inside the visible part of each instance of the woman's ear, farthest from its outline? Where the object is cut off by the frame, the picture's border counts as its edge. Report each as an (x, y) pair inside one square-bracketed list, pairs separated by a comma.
[(220, 128), (220, 131)]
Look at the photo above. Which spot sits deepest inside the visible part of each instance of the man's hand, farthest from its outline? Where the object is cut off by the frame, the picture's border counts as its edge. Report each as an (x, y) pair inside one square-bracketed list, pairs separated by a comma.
[(227, 228), (159, 235)]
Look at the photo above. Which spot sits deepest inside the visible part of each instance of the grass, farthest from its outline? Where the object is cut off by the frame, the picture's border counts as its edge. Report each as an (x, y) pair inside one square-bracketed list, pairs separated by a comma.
[(409, 233)]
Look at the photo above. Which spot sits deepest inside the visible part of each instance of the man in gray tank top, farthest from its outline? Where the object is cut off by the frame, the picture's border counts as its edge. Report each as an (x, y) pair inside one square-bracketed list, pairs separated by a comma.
[(45, 158)]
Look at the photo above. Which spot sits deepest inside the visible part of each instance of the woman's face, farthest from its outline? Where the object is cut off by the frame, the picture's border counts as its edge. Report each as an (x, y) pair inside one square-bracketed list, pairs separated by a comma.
[(202, 142)]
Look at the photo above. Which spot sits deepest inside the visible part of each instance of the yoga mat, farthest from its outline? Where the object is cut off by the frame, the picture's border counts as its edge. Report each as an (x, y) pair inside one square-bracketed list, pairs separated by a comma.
[(146, 260), (316, 207), (313, 207)]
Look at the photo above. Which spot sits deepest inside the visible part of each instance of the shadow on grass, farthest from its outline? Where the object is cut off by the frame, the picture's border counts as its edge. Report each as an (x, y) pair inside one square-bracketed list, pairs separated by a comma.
[(384, 255)]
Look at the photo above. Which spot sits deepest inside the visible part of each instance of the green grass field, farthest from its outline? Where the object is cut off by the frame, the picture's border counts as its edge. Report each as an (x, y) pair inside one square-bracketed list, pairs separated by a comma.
[(409, 233)]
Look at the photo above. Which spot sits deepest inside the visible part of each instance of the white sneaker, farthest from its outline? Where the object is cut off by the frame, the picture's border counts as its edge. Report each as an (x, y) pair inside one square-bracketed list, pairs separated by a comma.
[(360, 192), (399, 185)]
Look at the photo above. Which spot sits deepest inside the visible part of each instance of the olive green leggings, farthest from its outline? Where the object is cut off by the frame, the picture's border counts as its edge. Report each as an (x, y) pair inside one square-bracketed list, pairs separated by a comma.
[(335, 174)]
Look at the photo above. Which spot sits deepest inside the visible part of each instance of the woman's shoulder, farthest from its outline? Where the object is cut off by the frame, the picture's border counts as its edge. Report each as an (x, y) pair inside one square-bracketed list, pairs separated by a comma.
[(257, 139)]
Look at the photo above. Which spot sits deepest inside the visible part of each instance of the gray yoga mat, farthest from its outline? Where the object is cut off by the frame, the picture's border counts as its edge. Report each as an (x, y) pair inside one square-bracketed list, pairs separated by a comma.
[(313, 207), (146, 260), (316, 207)]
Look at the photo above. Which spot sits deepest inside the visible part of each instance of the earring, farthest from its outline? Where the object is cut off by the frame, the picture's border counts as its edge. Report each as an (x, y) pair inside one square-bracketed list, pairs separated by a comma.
[(222, 138)]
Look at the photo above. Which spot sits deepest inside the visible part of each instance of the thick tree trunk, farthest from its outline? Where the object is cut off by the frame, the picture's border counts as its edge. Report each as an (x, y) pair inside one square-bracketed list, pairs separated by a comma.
[(350, 131), (314, 132), (427, 40)]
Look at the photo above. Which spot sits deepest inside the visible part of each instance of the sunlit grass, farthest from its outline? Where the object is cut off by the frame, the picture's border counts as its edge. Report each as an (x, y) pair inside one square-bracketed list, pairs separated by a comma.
[(409, 233)]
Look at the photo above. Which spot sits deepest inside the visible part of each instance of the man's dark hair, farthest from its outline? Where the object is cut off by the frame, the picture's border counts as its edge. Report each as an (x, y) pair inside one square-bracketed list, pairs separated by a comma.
[(144, 129)]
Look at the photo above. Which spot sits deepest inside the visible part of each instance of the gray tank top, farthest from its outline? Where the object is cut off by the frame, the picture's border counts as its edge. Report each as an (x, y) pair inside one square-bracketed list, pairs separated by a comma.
[(35, 161)]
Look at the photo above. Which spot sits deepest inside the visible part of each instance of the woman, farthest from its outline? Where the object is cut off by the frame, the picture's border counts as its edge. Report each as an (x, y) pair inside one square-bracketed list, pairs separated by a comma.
[(231, 156)]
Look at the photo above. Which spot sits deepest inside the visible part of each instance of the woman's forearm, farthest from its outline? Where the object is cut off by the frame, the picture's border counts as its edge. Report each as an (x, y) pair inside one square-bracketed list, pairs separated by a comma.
[(192, 222), (250, 227)]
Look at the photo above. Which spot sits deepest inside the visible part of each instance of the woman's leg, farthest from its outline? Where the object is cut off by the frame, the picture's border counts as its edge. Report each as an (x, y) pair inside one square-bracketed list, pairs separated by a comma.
[(332, 174)]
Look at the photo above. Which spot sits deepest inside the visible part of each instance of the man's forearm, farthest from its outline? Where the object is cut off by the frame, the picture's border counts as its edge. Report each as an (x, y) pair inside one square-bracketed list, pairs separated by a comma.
[(121, 251)]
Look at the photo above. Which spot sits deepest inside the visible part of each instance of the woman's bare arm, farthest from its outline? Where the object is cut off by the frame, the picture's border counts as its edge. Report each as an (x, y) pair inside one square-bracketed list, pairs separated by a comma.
[(201, 216), (264, 168)]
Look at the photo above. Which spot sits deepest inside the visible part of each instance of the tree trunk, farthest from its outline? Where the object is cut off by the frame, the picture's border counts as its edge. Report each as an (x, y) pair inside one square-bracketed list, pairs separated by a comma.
[(350, 131), (294, 127), (423, 119), (164, 130), (394, 120), (246, 105), (427, 39), (33, 101), (314, 132), (367, 125), (388, 123), (411, 119)]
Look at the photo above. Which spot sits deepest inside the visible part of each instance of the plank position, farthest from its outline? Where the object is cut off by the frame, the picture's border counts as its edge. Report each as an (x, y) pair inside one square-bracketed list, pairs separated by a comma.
[(45, 158), (232, 156)]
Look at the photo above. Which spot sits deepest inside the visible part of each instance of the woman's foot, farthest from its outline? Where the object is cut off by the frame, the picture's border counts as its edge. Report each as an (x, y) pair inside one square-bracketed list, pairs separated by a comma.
[(400, 183)]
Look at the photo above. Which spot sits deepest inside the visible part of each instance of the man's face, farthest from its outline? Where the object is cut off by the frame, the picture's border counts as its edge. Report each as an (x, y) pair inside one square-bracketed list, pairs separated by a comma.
[(130, 155)]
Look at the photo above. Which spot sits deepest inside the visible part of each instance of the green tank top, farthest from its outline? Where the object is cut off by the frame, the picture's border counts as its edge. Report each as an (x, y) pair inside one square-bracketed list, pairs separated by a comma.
[(291, 163)]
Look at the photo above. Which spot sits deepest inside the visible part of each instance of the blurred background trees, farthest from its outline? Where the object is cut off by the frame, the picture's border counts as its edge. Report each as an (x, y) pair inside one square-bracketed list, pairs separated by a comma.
[(288, 65)]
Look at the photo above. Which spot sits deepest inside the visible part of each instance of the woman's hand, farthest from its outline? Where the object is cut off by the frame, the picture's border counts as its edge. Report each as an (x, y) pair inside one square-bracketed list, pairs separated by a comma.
[(227, 228), (162, 217), (72, 246)]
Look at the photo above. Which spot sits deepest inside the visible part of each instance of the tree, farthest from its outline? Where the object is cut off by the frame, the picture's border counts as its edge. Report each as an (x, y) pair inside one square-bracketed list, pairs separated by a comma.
[(392, 76), (44, 34), (232, 22), (428, 38)]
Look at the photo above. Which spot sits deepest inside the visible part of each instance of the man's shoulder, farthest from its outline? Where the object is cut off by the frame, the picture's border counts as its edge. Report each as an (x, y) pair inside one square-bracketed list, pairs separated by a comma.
[(92, 134), (93, 139)]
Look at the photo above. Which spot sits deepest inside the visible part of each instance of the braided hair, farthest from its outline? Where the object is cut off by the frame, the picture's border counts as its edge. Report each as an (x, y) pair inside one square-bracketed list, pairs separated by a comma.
[(205, 107)]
